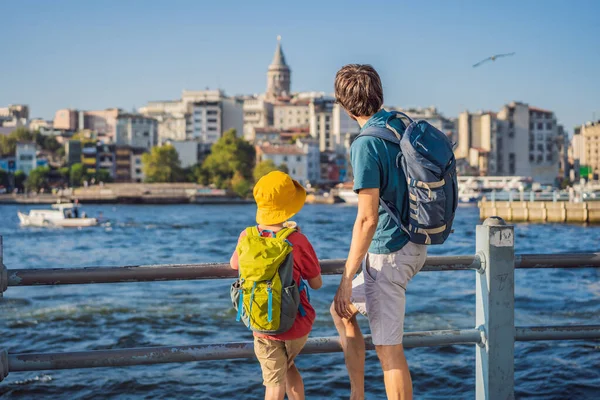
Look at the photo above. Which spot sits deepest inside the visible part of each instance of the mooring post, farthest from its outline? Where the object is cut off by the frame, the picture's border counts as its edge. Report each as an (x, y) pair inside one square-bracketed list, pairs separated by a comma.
[(3, 272), (495, 315)]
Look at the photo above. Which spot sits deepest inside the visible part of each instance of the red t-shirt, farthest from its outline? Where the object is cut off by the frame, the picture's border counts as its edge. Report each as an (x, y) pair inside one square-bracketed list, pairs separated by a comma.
[(306, 266)]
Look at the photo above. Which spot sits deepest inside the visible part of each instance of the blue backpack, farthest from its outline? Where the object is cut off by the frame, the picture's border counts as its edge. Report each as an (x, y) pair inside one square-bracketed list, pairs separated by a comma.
[(427, 158)]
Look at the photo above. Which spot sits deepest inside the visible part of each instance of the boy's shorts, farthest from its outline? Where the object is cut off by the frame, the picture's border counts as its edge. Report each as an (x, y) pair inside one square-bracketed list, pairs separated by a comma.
[(379, 291), (276, 356)]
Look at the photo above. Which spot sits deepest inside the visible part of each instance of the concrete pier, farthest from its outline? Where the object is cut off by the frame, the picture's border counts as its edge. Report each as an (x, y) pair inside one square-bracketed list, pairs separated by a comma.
[(541, 211)]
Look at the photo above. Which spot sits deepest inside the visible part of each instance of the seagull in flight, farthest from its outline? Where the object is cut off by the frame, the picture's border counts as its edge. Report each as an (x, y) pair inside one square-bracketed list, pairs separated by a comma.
[(493, 58)]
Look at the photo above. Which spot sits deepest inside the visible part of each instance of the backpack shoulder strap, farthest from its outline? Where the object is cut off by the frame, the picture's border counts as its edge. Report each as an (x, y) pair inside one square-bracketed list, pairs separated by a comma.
[(252, 231), (381, 133), (284, 233)]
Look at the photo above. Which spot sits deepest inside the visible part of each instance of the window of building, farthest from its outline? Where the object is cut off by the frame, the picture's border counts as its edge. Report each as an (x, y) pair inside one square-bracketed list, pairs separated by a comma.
[(211, 120), (540, 147), (285, 158), (138, 171), (298, 158), (549, 125), (531, 157), (549, 157), (531, 146), (294, 171), (138, 161), (211, 128), (540, 158), (531, 125), (540, 126), (540, 136), (213, 112)]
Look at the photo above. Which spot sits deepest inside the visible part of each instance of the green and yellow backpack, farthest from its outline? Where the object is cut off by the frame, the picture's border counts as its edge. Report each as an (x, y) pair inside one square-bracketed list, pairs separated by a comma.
[(265, 294)]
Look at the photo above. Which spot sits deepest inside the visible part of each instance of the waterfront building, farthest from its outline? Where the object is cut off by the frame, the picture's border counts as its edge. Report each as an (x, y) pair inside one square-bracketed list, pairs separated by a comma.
[(301, 159), (258, 113), (67, 119), (189, 151), (136, 130), (41, 125), (212, 114), (586, 150), (343, 130), (26, 157), (199, 115), (518, 140), (333, 168), (292, 113), (171, 116), (137, 172), (14, 116), (73, 151)]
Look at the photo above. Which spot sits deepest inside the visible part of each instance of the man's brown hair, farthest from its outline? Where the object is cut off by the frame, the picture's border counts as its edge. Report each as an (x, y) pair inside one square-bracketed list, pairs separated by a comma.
[(358, 89)]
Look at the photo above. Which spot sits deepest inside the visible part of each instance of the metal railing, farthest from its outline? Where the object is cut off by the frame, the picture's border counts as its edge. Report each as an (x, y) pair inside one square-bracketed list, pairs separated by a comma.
[(494, 334)]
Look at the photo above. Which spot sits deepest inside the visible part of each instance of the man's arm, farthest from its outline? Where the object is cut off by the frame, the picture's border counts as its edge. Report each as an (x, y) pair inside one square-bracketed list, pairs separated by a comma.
[(362, 234)]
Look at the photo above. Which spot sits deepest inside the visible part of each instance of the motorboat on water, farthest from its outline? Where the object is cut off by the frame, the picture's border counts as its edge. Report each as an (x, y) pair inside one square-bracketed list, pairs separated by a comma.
[(65, 215)]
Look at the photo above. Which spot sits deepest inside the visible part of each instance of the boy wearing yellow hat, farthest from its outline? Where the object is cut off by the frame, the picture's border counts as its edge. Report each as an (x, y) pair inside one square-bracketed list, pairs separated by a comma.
[(278, 198)]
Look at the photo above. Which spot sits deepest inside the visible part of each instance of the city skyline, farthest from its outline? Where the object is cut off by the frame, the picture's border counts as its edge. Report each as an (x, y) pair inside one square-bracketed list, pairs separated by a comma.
[(151, 51)]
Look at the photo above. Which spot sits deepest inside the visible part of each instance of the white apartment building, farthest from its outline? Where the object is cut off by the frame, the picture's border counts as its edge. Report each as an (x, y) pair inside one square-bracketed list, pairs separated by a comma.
[(301, 159), (171, 117), (187, 150), (344, 129), (200, 115), (14, 116), (291, 114), (136, 130), (517, 141), (25, 157), (137, 172), (258, 113)]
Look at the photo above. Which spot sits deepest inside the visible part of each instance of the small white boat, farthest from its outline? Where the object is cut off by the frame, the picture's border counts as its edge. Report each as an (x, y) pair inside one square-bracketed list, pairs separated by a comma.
[(65, 215), (348, 195)]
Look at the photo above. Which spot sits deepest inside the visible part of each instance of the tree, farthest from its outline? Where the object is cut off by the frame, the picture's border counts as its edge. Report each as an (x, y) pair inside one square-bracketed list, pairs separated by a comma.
[(229, 155), (37, 179), (103, 175), (19, 179), (240, 185), (266, 166), (3, 178), (284, 168), (77, 174), (162, 165)]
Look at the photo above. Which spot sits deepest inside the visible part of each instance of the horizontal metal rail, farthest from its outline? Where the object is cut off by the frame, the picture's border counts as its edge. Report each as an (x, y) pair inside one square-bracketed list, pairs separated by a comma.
[(172, 272), (236, 350), (205, 352)]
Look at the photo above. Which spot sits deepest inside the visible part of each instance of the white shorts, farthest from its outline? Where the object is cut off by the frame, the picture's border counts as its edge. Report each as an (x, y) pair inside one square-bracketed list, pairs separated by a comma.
[(379, 291)]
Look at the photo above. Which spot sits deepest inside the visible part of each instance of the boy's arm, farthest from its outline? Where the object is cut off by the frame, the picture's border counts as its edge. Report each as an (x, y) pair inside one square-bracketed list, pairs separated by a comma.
[(310, 267), (233, 261)]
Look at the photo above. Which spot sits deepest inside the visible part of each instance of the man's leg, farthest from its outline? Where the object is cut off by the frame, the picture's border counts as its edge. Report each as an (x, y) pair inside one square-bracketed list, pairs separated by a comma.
[(353, 344), (396, 376)]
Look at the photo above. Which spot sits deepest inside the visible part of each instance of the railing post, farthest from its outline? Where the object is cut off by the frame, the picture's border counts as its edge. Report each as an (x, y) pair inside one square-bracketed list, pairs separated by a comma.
[(3, 272), (3, 364), (495, 317)]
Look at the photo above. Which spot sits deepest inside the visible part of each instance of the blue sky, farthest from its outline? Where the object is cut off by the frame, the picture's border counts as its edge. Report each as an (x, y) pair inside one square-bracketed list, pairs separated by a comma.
[(99, 54)]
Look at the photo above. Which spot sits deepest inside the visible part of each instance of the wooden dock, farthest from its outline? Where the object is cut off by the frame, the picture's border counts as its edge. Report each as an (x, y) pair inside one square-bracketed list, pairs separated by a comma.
[(541, 211)]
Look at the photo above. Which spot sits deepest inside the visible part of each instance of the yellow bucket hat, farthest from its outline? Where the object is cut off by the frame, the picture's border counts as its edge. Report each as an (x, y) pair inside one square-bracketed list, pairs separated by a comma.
[(278, 198)]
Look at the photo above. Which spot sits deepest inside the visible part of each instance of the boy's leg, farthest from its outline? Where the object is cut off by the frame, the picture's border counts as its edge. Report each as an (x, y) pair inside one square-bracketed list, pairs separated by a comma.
[(294, 383), (352, 340), (271, 355)]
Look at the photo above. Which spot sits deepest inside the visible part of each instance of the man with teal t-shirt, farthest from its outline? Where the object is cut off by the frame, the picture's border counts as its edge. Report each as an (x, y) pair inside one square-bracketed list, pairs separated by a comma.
[(383, 250)]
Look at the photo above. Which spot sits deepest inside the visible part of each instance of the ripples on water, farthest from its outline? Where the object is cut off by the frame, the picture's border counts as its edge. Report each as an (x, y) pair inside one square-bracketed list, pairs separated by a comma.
[(110, 316)]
